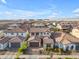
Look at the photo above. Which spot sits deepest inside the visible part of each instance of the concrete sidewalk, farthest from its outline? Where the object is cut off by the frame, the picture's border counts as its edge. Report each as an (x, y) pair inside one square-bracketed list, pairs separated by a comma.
[(65, 56), (24, 56)]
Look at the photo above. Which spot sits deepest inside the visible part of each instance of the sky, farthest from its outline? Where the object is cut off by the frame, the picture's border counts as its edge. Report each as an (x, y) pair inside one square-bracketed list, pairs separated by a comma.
[(38, 9)]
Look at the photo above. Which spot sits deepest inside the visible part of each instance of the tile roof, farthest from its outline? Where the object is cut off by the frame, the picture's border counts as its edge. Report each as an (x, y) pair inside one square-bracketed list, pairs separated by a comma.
[(16, 39), (59, 36), (14, 30), (39, 30), (72, 38), (65, 40), (34, 38), (14, 25), (4, 40), (47, 40), (68, 38)]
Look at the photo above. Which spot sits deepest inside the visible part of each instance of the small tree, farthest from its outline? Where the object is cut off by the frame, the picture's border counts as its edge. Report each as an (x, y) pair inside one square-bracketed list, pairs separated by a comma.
[(23, 47), (54, 29)]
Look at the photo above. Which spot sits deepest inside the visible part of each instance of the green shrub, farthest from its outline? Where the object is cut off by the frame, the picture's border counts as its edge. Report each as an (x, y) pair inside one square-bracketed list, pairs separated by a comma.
[(59, 58), (68, 58)]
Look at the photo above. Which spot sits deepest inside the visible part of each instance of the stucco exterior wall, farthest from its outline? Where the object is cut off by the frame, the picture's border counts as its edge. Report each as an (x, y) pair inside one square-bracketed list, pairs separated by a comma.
[(3, 46), (15, 34)]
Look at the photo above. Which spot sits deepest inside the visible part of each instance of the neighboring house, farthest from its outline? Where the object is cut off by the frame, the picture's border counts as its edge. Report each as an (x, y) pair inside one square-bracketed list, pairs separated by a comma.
[(4, 42), (15, 42), (75, 32), (48, 42), (14, 25), (74, 42), (66, 27), (38, 25), (15, 32), (40, 31), (25, 26), (34, 41), (68, 42)]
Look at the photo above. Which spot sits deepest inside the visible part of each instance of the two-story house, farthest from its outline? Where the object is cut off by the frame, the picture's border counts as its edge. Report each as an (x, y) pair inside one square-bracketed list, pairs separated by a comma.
[(14, 30), (39, 30)]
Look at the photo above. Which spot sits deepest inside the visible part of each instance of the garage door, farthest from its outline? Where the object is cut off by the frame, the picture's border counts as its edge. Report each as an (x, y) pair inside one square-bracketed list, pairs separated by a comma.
[(77, 47), (34, 44), (15, 45)]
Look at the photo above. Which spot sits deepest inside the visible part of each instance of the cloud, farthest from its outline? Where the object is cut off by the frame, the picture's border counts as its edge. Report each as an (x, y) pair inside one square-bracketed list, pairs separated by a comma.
[(53, 15), (41, 14), (3, 1), (31, 13), (14, 13), (8, 13), (76, 12)]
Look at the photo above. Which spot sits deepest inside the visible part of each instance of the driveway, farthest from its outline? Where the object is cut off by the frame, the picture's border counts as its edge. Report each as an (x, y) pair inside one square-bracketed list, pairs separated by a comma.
[(34, 51), (6, 54)]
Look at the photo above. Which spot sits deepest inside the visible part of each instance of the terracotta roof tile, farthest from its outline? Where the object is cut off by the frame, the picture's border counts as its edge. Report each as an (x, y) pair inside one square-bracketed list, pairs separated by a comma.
[(4, 40), (48, 40), (34, 38), (39, 30), (68, 38), (17, 39), (15, 30)]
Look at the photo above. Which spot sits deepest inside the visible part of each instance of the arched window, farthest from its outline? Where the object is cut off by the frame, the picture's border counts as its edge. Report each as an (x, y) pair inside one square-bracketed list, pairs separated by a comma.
[(71, 47)]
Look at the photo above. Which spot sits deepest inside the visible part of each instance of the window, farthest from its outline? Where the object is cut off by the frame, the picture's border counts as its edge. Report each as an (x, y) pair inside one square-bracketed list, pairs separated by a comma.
[(21, 33), (44, 33), (48, 45), (5, 33), (48, 33), (41, 32), (17, 33), (12, 33), (37, 33), (72, 47), (32, 33)]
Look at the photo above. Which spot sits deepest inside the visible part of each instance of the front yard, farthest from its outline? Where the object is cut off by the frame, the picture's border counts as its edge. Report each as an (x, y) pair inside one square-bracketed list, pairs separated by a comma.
[(48, 51)]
